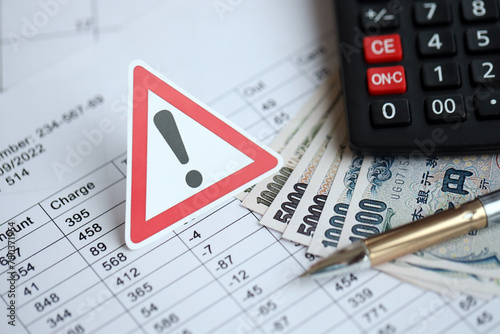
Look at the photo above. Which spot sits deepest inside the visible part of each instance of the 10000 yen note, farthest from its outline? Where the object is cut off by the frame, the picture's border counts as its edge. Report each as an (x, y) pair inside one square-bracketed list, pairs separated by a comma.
[(326, 235), (301, 226), (394, 191), (281, 210), (264, 192), (292, 128)]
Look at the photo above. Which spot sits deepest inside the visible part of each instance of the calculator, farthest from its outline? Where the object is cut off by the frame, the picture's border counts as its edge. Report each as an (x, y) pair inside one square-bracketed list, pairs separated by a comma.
[(420, 77)]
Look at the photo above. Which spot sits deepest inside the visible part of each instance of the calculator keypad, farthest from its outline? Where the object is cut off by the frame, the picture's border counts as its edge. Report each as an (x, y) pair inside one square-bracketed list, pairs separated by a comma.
[(437, 43), (388, 113), (379, 16), (432, 13), (441, 75), (445, 108), (480, 40), (485, 71), (479, 10), (415, 68), (488, 105), (386, 80), (383, 48)]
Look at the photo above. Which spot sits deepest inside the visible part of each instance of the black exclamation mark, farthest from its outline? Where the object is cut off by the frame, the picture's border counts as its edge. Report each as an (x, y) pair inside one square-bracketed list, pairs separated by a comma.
[(165, 123)]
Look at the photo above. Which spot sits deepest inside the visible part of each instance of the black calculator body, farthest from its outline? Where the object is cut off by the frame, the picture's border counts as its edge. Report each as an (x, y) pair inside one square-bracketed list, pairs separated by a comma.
[(421, 77)]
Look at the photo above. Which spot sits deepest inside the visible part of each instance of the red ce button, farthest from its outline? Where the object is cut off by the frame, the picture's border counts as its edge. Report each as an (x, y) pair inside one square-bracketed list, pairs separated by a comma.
[(386, 80), (383, 48)]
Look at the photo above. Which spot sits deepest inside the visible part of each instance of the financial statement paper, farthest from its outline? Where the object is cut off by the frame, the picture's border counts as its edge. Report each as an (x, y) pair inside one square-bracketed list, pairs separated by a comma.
[(62, 187)]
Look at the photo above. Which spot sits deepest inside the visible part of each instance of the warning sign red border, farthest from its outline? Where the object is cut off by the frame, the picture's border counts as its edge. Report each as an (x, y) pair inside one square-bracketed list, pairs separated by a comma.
[(141, 229)]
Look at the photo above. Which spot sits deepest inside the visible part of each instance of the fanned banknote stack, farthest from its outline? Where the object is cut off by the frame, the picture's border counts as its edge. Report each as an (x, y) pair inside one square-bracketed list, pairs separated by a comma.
[(325, 197)]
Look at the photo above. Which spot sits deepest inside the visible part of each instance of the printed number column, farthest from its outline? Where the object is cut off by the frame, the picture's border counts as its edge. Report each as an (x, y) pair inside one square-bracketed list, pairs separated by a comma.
[(23, 267), (147, 281), (84, 212), (268, 100), (207, 306)]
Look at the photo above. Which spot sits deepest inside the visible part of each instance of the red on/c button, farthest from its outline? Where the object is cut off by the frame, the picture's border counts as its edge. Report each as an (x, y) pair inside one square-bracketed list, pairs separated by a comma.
[(386, 80), (383, 48)]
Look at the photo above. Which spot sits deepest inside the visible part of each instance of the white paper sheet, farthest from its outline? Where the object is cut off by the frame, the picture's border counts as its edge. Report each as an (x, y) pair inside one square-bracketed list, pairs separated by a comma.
[(62, 186)]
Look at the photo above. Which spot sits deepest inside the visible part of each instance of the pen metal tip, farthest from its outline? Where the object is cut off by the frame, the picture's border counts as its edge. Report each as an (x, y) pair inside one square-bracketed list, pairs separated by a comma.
[(351, 258), (306, 273)]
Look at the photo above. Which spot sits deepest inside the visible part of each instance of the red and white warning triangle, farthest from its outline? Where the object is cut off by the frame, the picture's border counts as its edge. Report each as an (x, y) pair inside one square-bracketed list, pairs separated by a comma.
[(183, 158)]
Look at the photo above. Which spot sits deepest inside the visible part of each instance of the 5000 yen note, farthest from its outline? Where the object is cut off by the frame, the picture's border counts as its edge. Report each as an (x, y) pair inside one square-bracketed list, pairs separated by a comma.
[(330, 223), (283, 207), (301, 226), (264, 192)]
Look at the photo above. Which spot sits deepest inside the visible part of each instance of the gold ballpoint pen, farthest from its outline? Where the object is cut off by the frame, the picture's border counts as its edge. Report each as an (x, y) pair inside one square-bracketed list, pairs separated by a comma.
[(477, 214)]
